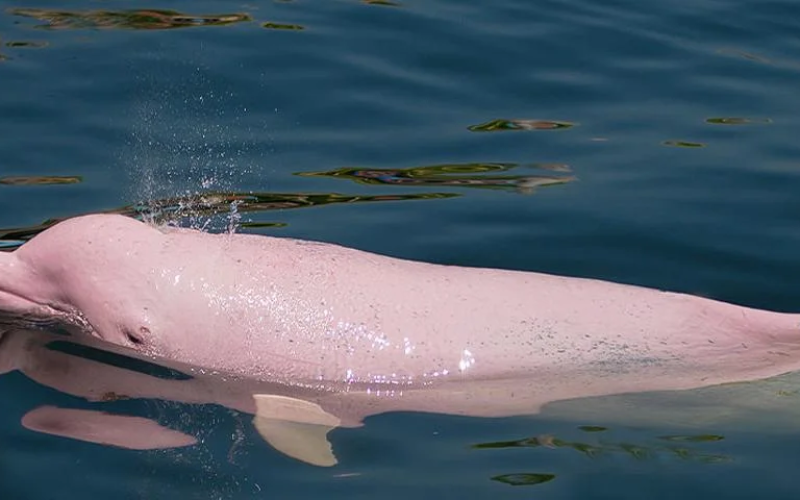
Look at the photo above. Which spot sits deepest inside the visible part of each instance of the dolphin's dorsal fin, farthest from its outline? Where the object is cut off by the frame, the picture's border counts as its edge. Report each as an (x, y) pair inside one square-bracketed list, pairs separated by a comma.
[(296, 428)]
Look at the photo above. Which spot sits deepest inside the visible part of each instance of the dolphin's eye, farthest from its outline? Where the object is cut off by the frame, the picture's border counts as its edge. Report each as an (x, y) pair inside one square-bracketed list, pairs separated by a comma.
[(135, 337)]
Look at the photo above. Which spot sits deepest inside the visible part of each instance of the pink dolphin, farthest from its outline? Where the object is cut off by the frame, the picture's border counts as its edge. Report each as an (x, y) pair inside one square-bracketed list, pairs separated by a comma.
[(339, 334)]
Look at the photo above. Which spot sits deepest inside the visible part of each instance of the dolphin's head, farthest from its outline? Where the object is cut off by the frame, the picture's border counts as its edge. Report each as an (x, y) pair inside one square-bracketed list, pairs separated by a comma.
[(93, 273), (129, 284), (26, 300)]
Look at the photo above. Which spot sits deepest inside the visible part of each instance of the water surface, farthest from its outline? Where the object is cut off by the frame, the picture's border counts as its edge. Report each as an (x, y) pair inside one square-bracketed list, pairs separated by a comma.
[(647, 143)]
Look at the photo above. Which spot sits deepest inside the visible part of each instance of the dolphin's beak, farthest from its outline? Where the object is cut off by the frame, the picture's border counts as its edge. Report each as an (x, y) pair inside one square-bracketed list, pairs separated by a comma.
[(20, 289)]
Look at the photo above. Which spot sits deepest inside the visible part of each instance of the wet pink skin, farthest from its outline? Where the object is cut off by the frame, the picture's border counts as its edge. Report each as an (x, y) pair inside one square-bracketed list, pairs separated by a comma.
[(360, 333)]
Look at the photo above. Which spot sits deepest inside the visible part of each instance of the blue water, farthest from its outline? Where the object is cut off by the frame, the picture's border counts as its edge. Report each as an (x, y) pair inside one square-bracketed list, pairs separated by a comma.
[(665, 134)]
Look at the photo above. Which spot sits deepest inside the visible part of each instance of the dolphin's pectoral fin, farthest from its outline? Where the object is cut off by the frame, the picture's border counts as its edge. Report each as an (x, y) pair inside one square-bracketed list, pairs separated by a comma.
[(92, 426), (296, 428)]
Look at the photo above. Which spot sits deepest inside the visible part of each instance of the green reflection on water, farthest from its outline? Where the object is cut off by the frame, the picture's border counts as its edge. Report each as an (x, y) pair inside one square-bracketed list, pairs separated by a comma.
[(700, 438), (634, 450), (202, 206), (146, 19), (503, 125), (592, 428), (283, 26), (451, 175), (171, 210), (39, 180), (524, 479), (208, 204)]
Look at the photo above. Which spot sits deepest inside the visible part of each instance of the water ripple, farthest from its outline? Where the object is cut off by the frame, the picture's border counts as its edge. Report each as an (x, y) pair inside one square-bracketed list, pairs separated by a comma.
[(41, 180), (197, 210), (454, 175), (141, 19), (502, 125)]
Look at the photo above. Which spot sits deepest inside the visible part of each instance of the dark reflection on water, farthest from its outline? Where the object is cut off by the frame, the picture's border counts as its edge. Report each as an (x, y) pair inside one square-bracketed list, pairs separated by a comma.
[(524, 479), (385, 3), (27, 44), (201, 206), (282, 26), (592, 428), (599, 448), (503, 125), (734, 120), (40, 180), (454, 175), (205, 205), (700, 438), (140, 19), (683, 144)]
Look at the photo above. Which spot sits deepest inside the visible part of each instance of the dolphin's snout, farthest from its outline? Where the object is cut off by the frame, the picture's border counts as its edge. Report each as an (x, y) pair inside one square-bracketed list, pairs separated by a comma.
[(12, 303)]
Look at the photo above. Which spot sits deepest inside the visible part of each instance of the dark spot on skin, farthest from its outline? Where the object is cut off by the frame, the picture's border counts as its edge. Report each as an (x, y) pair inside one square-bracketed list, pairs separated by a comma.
[(112, 396)]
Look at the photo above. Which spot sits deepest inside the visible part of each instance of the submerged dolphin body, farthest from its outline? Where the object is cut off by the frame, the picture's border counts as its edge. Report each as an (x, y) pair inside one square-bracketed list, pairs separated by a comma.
[(43, 358), (339, 334), (34, 353)]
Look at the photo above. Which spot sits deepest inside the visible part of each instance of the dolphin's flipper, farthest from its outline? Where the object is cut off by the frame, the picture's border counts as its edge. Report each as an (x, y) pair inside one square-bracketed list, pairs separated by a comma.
[(296, 428), (135, 433)]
